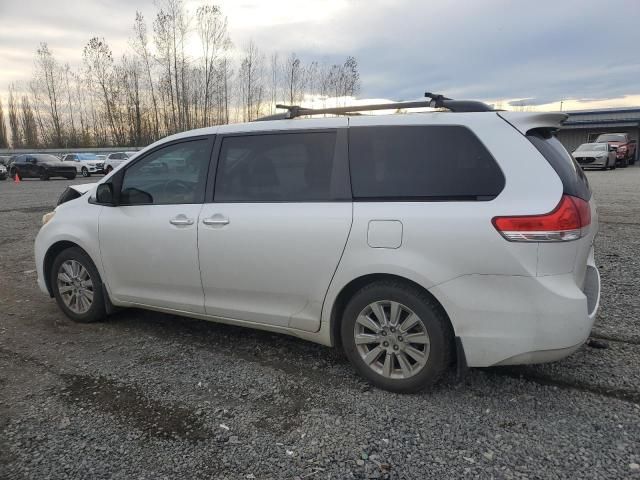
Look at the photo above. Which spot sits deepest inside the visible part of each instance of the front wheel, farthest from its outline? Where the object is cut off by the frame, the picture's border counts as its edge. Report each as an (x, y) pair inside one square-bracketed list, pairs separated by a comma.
[(109, 170), (624, 163), (77, 286), (85, 172), (396, 336), (44, 176)]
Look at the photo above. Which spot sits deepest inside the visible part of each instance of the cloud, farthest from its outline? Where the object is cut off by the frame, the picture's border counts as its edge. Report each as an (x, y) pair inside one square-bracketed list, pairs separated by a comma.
[(493, 50)]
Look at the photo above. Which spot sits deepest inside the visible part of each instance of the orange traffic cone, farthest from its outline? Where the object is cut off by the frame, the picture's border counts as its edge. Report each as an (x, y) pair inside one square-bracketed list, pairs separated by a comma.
[(16, 178)]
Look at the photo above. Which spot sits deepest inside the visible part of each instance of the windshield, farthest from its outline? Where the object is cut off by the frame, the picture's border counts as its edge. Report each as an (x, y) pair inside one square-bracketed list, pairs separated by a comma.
[(87, 156), (597, 147), (612, 137)]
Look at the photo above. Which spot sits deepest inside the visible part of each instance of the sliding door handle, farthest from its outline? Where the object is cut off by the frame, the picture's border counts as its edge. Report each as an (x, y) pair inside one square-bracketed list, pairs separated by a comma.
[(216, 220)]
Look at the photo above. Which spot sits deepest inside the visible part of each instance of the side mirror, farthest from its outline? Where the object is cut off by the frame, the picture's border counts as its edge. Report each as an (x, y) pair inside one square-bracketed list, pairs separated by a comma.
[(104, 194)]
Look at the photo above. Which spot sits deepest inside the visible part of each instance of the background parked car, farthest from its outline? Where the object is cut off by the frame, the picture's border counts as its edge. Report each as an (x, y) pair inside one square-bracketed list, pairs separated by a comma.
[(42, 166), (626, 148), (116, 158), (595, 155), (85, 163)]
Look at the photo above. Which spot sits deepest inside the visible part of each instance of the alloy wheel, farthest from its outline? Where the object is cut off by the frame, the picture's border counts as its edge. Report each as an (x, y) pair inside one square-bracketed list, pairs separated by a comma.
[(391, 339), (75, 286)]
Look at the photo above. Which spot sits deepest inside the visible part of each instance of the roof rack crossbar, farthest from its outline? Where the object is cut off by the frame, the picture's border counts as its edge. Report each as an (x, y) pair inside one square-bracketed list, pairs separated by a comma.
[(436, 101), (296, 111)]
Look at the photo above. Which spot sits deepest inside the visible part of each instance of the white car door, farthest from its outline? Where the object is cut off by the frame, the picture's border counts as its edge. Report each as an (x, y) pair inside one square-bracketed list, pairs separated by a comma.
[(148, 242), (271, 239)]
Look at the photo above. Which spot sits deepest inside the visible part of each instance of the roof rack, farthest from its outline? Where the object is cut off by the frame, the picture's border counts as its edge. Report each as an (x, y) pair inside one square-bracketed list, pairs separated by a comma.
[(435, 101)]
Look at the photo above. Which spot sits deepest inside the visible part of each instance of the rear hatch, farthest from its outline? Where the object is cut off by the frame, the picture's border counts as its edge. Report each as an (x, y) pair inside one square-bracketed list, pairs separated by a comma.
[(540, 129)]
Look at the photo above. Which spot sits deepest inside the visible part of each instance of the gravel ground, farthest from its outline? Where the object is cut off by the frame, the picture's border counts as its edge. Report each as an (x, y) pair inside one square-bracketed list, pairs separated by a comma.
[(147, 395)]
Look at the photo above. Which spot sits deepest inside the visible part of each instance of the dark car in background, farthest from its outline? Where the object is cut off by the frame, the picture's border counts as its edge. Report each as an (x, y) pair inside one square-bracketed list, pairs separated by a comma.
[(42, 166)]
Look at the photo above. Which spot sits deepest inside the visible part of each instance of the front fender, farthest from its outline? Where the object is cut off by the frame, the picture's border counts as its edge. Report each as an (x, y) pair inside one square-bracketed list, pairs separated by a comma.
[(74, 222)]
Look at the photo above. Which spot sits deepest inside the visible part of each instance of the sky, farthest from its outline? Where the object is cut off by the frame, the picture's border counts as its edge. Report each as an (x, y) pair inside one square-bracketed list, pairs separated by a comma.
[(584, 53)]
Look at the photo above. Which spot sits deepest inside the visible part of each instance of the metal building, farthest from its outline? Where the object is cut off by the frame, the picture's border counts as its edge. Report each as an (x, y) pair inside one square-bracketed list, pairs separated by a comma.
[(584, 126)]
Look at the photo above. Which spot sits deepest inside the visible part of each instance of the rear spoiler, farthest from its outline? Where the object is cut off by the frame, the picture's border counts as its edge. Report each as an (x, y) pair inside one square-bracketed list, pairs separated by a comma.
[(526, 121)]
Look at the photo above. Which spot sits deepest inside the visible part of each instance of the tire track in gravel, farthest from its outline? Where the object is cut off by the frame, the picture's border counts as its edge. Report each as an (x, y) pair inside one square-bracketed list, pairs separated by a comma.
[(525, 373)]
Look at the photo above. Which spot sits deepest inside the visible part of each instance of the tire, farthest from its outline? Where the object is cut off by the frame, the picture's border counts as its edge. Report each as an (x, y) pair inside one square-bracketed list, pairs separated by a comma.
[(109, 170), (70, 177), (12, 173), (96, 311), (408, 301), (44, 176), (624, 163), (85, 172)]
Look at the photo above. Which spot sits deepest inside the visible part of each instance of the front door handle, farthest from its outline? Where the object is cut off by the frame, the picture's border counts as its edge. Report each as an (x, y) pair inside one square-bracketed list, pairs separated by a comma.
[(181, 220), (216, 219)]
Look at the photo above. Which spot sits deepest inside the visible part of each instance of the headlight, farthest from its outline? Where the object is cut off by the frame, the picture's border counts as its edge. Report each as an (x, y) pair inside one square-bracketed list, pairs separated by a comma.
[(47, 216)]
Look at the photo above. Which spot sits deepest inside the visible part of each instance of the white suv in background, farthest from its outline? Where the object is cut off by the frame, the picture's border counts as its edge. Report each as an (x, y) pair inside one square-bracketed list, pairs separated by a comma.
[(409, 240), (115, 159), (85, 163)]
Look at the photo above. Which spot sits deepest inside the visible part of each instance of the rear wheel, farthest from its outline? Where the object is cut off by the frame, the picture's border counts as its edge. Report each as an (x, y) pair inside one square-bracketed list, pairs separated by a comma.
[(396, 336), (77, 286), (70, 177)]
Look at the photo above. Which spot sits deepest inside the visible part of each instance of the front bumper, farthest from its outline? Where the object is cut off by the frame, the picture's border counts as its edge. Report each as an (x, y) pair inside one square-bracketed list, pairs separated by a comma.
[(507, 320)]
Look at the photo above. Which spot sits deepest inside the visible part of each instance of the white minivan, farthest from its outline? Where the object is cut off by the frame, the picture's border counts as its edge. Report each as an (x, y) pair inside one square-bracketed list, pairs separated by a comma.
[(409, 240)]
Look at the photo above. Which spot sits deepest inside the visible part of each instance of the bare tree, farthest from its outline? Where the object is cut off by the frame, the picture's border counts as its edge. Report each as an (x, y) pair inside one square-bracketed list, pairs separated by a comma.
[(212, 32), (4, 137), (351, 77), (28, 124), (274, 77), (293, 77), (99, 61), (141, 46), (73, 135), (250, 77), (14, 122), (48, 79)]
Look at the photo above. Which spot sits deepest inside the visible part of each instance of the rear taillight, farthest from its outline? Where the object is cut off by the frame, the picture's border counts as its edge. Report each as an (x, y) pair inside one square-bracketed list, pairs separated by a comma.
[(568, 221)]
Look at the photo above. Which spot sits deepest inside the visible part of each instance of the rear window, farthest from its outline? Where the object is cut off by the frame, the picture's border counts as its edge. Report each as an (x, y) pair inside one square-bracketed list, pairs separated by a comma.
[(574, 180), (421, 163), (612, 137)]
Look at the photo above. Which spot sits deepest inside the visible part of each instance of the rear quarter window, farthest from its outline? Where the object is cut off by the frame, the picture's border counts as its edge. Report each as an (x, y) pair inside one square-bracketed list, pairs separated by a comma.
[(574, 181), (421, 163)]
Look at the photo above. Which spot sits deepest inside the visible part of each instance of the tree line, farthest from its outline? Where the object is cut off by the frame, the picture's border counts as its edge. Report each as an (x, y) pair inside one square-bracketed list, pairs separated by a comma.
[(159, 86)]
